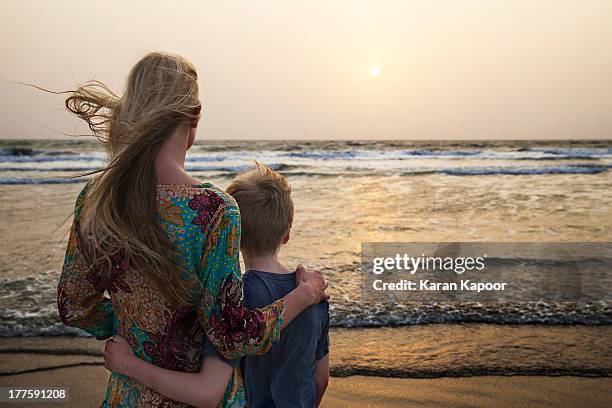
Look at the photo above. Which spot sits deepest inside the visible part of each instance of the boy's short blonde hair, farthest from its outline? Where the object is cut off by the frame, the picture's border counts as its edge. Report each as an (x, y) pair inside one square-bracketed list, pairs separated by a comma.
[(266, 209)]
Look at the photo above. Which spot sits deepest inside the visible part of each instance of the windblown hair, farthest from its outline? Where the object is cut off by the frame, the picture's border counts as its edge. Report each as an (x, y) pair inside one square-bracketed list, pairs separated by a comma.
[(266, 209), (119, 213)]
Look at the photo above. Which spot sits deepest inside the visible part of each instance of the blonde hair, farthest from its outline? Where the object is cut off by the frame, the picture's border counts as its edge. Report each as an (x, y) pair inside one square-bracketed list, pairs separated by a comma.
[(119, 213), (266, 209)]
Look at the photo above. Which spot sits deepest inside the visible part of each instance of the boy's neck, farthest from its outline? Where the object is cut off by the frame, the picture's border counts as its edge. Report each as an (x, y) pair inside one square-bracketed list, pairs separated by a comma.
[(264, 263)]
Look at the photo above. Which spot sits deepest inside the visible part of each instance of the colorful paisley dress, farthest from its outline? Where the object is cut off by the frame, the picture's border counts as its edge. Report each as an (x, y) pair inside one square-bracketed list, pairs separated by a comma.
[(203, 223)]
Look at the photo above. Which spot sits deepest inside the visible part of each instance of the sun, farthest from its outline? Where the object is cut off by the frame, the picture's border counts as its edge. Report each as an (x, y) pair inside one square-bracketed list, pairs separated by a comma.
[(374, 71)]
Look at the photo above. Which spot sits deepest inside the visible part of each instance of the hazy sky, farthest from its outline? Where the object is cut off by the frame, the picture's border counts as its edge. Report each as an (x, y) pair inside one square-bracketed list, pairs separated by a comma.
[(293, 70)]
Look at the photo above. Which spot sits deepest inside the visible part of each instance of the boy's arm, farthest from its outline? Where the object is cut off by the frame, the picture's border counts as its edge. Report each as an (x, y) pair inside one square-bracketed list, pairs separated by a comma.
[(203, 389), (321, 377), (322, 356)]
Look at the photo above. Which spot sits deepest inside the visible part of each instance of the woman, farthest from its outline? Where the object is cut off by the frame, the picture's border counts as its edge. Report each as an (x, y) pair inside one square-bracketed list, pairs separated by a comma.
[(163, 245)]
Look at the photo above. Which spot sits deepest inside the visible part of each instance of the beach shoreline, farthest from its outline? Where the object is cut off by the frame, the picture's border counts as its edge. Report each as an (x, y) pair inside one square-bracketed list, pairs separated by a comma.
[(420, 351)]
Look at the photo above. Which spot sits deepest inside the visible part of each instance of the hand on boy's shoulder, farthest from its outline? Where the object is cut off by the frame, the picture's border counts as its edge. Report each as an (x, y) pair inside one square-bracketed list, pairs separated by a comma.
[(314, 279)]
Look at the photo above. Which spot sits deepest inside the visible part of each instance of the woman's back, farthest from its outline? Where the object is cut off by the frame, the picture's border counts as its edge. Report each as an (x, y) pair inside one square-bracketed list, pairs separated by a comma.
[(202, 223)]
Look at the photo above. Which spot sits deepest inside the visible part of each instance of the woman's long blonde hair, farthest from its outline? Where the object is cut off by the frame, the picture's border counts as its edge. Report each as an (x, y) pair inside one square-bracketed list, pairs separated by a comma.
[(119, 213)]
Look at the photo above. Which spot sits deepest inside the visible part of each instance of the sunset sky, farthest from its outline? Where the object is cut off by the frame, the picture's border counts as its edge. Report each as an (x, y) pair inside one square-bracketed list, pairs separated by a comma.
[(328, 69)]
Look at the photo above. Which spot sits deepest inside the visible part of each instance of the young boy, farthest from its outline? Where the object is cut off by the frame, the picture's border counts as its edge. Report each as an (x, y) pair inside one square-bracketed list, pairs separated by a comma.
[(295, 372)]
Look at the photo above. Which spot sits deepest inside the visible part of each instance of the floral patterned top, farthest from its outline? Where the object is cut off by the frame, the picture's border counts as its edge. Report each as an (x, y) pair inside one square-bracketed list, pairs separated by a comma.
[(203, 223)]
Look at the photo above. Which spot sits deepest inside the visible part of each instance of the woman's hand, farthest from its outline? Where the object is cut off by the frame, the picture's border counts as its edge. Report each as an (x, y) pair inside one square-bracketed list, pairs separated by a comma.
[(313, 281), (118, 355), (310, 290)]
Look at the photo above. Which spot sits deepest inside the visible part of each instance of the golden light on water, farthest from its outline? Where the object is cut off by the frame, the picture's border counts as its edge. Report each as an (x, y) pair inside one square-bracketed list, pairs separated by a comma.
[(374, 71)]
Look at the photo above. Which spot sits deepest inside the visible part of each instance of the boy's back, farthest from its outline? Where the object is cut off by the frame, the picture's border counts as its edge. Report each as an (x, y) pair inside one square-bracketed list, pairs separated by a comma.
[(285, 375)]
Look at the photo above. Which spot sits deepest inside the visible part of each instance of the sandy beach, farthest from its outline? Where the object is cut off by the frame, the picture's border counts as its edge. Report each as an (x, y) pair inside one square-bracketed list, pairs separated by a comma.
[(87, 390), (86, 378), (76, 363)]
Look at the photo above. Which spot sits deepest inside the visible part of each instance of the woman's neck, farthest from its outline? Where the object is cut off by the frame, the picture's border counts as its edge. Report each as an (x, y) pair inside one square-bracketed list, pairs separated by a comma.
[(170, 160)]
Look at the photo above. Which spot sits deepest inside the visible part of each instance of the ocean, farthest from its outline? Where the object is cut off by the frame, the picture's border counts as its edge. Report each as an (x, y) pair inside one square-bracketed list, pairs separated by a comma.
[(346, 193)]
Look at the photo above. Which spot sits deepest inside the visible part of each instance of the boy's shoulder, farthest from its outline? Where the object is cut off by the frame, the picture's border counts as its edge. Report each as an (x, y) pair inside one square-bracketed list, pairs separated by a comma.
[(258, 286), (273, 284), (262, 288), (274, 278)]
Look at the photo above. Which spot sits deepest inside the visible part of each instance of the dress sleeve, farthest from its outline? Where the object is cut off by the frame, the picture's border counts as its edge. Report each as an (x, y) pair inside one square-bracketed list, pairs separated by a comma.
[(233, 330), (80, 302)]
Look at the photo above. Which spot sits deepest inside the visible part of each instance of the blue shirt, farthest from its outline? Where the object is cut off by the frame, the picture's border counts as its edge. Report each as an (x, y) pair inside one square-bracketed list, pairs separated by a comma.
[(284, 377)]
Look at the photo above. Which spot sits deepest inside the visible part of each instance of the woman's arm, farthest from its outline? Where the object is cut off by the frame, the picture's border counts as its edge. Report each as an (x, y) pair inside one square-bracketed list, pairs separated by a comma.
[(234, 330), (80, 303), (203, 389)]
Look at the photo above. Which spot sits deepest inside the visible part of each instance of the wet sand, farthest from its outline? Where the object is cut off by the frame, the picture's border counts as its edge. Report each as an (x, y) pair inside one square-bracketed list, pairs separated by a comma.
[(422, 351), (487, 391), (87, 384), (76, 363)]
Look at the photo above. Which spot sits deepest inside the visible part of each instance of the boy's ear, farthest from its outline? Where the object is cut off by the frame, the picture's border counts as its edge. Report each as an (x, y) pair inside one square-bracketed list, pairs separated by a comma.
[(286, 237)]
